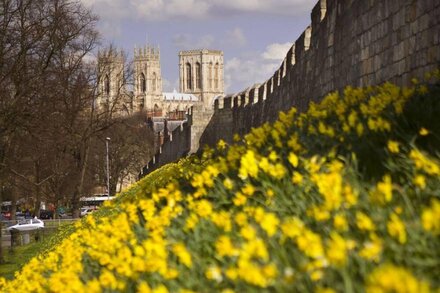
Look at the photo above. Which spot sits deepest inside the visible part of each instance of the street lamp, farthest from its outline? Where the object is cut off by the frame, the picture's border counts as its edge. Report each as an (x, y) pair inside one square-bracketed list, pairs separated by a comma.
[(107, 139)]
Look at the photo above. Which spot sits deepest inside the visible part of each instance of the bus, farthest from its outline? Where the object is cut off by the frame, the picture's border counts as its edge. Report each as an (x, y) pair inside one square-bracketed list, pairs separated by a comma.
[(94, 201)]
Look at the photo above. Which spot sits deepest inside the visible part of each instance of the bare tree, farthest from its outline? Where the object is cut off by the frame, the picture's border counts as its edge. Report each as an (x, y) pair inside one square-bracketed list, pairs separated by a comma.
[(44, 80), (51, 113), (131, 147)]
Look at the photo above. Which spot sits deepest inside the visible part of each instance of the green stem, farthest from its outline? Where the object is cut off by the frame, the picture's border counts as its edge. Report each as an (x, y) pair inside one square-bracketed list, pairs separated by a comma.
[(348, 285)]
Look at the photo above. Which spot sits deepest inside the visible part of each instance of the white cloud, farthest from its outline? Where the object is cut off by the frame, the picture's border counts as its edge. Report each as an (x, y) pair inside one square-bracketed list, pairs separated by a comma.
[(168, 9), (245, 72), (276, 51), (255, 67), (236, 38), (153, 10), (285, 7), (186, 42)]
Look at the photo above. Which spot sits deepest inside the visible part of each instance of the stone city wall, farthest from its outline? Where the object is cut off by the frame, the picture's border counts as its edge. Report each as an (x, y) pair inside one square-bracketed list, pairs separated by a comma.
[(350, 42), (176, 145)]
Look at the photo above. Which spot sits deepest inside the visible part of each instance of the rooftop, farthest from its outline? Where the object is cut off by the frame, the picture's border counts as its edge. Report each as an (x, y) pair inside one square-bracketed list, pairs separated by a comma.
[(175, 96)]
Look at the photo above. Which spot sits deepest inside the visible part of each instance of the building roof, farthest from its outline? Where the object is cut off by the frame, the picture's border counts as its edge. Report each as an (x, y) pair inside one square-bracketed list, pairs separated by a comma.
[(175, 96), (201, 51), (159, 125)]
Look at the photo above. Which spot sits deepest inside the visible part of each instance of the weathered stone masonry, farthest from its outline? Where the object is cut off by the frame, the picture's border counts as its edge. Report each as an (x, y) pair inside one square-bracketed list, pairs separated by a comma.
[(350, 42), (177, 144)]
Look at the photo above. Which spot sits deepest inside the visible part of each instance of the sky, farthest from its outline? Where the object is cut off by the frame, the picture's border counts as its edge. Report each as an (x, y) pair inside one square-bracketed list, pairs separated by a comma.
[(254, 35)]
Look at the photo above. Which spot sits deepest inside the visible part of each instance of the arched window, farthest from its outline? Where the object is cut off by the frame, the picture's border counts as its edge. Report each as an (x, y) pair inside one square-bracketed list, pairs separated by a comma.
[(143, 83), (154, 82), (188, 76), (198, 76), (107, 85), (216, 72), (210, 68)]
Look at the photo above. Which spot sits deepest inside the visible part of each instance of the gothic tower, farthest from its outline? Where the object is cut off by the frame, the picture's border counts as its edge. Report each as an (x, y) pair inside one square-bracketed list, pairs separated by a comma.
[(201, 74), (110, 77), (147, 78)]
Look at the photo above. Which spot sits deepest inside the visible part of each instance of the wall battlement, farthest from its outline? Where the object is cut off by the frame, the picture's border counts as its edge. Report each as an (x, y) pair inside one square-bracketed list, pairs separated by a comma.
[(148, 52), (349, 42), (111, 53), (203, 51)]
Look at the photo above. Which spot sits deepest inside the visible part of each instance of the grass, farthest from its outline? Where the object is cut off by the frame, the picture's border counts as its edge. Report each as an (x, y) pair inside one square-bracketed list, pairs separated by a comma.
[(16, 258), (54, 224)]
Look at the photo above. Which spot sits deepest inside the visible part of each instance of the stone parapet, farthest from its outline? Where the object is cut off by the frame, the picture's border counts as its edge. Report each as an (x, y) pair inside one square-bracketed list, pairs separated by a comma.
[(349, 42)]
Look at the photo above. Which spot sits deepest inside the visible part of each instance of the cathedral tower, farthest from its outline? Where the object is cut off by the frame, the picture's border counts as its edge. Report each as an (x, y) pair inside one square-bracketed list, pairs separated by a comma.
[(201, 74), (110, 77), (147, 78)]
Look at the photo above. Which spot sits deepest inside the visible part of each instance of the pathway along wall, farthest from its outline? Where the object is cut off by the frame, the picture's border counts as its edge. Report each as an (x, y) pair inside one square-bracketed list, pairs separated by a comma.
[(350, 42)]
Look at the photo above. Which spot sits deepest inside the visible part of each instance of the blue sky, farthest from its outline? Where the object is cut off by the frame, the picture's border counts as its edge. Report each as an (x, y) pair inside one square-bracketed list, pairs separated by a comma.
[(253, 34)]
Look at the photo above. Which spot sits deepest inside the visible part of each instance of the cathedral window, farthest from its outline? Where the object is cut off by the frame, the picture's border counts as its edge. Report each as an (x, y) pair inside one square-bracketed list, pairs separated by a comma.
[(106, 85), (154, 82), (210, 75), (188, 76), (143, 83), (198, 76), (216, 72)]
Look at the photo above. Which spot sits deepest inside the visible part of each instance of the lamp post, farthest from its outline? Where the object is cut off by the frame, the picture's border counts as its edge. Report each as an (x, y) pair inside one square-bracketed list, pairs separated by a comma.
[(107, 139)]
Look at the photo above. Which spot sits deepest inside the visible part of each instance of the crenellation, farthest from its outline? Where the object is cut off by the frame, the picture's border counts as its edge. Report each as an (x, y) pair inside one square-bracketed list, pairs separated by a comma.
[(318, 13), (235, 101), (244, 99), (253, 94), (227, 102), (197, 52), (269, 88), (290, 57), (349, 42), (284, 68), (323, 6), (262, 93), (221, 103), (307, 38), (147, 51), (277, 78), (302, 44)]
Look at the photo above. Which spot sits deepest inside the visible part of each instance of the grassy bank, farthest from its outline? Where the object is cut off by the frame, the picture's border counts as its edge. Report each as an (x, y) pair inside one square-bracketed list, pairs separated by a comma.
[(343, 198), (16, 258)]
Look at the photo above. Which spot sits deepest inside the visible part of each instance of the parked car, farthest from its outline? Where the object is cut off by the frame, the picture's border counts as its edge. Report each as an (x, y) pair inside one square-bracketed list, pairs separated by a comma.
[(46, 214), (3, 218), (27, 225), (6, 215)]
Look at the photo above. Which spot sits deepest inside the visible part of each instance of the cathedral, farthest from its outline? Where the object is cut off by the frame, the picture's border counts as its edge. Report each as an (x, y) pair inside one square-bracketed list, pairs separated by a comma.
[(126, 88), (201, 80)]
